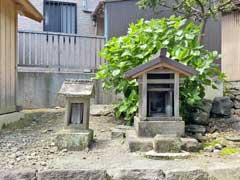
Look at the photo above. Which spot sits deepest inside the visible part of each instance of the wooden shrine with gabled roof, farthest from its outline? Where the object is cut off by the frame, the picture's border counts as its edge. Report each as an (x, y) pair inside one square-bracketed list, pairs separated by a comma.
[(159, 95)]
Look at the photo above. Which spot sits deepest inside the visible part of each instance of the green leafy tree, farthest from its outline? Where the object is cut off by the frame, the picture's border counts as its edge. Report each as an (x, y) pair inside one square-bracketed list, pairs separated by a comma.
[(197, 10), (144, 40)]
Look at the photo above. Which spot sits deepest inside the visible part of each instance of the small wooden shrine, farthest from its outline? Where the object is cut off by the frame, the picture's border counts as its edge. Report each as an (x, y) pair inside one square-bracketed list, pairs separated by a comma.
[(76, 134), (159, 96)]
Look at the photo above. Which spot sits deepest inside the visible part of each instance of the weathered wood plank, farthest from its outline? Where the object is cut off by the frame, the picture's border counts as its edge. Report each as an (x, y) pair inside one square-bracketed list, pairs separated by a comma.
[(144, 96), (13, 58), (160, 81), (7, 56), (3, 55), (176, 95)]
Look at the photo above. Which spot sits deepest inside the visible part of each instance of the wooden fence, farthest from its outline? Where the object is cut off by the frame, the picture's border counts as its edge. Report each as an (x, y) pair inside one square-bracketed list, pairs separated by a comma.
[(60, 52)]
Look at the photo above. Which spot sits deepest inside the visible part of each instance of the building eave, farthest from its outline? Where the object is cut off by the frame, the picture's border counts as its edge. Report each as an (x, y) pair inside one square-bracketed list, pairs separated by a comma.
[(98, 10), (26, 8)]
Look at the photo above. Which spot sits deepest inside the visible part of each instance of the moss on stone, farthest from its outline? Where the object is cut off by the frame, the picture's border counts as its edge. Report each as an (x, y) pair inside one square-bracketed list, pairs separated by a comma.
[(211, 143), (229, 151)]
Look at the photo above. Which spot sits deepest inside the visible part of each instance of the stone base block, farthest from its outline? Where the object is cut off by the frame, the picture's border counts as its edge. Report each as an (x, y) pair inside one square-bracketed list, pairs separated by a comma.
[(118, 133), (6, 119), (73, 140), (167, 144), (140, 144), (153, 128), (167, 156), (191, 145)]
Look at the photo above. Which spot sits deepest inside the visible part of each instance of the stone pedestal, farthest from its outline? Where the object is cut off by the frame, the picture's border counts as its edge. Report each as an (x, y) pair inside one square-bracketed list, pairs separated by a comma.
[(167, 147), (74, 140), (76, 135), (167, 156), (167, 144), (164, 126)]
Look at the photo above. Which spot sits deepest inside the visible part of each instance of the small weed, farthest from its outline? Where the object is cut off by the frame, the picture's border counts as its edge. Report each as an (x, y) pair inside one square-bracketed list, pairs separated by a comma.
[(211, 143), (229, 151)]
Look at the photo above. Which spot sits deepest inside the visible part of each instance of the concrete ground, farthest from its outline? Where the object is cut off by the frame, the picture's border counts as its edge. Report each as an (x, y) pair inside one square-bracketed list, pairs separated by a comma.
[(32, 147)]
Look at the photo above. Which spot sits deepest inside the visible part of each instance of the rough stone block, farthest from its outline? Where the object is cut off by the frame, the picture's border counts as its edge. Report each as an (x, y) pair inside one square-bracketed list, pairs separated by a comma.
[(201, 118), (139, 174), (237, 103), (18, 175), (153, 128), (190, 145), (222, 107), (167, 144), (167, 156), (140, 144), (194, 128), (187, 175), (74, 140), (73, 175), (118, 133)]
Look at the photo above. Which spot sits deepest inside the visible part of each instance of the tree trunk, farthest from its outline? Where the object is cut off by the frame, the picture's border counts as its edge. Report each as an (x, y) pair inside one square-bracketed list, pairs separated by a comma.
[(202, 31)]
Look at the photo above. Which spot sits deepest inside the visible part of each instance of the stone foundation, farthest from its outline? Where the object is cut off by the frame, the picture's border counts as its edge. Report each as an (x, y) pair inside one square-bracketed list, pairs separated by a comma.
[(74, 140), (152, 128), (6, 119), (167, 144), (167, 156), (183, 173)]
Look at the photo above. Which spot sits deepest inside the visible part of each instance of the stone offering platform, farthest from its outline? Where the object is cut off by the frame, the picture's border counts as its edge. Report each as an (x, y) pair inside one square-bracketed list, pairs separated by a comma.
[(164, 126), (162, 147), (74, 140)]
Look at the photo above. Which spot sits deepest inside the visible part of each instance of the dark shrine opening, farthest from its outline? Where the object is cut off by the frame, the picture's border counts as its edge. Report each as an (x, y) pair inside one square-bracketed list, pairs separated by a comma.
[(156, 104), (76, 114), (160, 100)]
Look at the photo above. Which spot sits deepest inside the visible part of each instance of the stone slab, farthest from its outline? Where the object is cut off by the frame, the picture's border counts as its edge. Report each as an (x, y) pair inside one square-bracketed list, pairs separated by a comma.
[(74, 140), (139, 174), (6, 119), (167, 144), (197, 174), (167, 156), (117, 133), (72, 175), (18, 175), (152, 128), (194, 128), (230, 173), (140, 144)]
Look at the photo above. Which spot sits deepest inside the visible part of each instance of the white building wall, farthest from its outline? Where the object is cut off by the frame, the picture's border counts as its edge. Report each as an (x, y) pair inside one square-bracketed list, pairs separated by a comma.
[(84, 22)]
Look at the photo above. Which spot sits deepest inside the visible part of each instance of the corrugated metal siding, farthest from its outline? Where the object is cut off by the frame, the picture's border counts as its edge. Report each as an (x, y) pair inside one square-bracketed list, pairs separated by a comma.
[(231, 45), (121, 13), (8, 20)]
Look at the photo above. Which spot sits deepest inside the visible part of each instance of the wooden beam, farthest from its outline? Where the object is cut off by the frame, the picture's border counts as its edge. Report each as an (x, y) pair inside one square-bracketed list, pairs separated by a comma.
[(176, 95), (159, 89), (144, 97), (24, 7), (160, 81)]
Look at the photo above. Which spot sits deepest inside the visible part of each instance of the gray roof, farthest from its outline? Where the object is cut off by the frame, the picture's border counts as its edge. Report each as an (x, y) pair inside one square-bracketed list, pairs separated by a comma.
[(77, 88), (161, 60)]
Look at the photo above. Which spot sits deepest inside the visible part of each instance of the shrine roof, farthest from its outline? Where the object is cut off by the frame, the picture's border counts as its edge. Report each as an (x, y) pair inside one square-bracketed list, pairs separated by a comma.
[(161, 61), (77, 88)]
